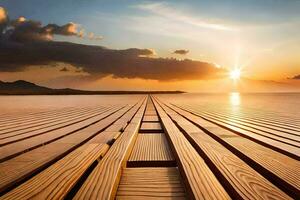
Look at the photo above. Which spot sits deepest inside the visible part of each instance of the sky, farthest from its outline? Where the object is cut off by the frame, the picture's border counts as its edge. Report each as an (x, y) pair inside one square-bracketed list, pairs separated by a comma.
[(152, 45)]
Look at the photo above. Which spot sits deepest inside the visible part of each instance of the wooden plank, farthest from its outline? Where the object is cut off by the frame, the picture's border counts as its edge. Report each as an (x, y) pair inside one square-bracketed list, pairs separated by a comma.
[(49, 120), (19, 118), (150, 127), (150, 113), (258, 123), (239, 178), (158, 183), (111, 134), (24, 120), (17, 169), (281, 169), (151, 198), (14, 149), (261, 120), (151, 118), (273, 120), (57, 180), (50, 127), (151, 150), (281, 147), (37, 125), (198, 178), (273, 141), (279, 117), (103, 181), (273, 134), (41, 157), (150, 108)]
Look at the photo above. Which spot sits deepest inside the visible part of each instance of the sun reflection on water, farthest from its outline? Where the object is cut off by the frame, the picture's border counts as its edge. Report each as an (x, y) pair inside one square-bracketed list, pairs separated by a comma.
[(235, 99)]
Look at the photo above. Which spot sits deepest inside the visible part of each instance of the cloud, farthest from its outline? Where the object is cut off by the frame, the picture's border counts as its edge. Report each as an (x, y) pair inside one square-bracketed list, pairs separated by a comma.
[(64, 69), (3, 15), (23, 30), (3, 19), (100, 61), (92, 36), (297, 77), (166, 11), (29, 43), (181, 51), (68, 29), (28, 30)]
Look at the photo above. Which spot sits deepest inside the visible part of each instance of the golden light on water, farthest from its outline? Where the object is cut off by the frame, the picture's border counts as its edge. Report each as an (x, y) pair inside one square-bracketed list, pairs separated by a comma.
[(235, 98)]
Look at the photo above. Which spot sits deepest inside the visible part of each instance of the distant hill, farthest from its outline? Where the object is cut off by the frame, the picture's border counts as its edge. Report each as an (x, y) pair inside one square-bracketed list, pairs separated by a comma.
[(22, 87)]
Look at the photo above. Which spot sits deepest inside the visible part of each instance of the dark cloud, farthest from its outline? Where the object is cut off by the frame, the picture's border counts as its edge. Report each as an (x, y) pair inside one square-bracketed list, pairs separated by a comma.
[(96, 60), (181, 51), (64, 69), (78, 71), (29, 43), (22, 30), (297, 77)]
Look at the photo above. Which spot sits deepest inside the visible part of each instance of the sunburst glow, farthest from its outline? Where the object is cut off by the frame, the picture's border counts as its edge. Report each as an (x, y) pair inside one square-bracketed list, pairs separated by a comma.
[(235, 74)]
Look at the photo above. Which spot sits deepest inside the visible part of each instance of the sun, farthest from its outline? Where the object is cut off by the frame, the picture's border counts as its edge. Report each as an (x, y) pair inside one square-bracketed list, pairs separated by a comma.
[(235, 74)]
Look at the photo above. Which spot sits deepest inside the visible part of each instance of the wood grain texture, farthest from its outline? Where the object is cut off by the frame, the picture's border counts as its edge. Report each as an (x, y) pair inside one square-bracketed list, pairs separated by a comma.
[(284, 170), (277, 145), (279, 165), (153, 118), (198, 178), (151, 150), (274, 119), (150, 113), (18, 128), (245, 182), (258, 123), (31, 132), (266, 116), (103, 181), (272, 134), (24, 165), (149, 198), (57, 180), (184, 151), (23, 119), (157, 183), (19, 147), (150, 126)]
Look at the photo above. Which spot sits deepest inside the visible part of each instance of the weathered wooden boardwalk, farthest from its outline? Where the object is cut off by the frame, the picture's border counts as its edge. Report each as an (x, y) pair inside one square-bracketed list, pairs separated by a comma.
[(152, 149)]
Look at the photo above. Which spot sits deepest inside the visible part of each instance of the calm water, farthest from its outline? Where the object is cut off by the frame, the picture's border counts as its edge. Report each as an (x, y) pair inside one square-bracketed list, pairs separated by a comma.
[(283, 106)]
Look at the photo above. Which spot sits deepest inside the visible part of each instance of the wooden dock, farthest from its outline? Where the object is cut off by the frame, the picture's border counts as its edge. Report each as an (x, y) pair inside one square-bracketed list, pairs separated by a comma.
[(150, 149)]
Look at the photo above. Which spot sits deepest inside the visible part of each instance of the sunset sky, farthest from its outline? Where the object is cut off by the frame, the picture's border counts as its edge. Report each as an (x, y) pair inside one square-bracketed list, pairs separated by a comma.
[(152, 45)]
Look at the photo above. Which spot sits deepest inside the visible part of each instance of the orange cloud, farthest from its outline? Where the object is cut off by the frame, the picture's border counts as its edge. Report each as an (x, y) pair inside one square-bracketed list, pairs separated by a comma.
[(297, 77), (3, 15)]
